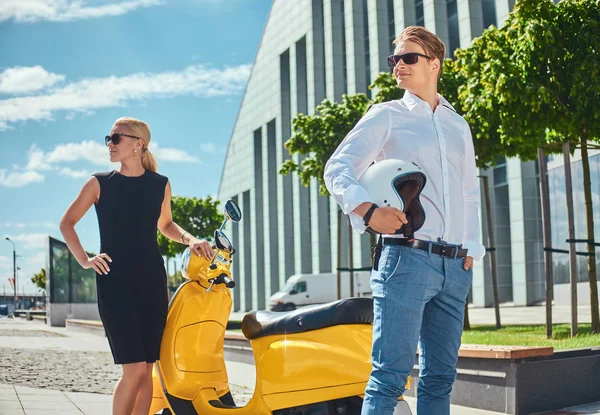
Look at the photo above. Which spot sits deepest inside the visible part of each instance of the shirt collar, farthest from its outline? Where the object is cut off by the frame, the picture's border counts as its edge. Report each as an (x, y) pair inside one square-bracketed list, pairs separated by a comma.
[(411, 101)]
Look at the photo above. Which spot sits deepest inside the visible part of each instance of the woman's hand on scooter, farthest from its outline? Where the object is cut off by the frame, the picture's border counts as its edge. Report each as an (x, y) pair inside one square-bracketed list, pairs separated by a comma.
[(201, 248)]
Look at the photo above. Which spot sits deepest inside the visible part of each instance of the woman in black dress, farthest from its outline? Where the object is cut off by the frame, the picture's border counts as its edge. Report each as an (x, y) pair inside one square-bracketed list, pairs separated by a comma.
[(131, 204)]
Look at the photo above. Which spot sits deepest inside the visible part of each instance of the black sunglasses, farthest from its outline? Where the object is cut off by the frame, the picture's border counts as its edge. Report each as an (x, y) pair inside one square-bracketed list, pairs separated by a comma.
[(408, 58), (116, 138)]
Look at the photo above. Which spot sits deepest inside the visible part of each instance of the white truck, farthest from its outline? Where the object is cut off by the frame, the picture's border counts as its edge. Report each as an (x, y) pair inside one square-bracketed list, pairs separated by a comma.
[(304, 289)]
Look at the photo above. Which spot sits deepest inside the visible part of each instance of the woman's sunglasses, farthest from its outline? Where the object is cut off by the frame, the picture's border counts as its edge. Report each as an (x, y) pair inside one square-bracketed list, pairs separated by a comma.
[(116, 138), (408, 58)]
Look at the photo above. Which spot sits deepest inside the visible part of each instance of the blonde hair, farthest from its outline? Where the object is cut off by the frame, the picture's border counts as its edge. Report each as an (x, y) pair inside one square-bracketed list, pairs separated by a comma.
[(141, 130), (431, 44)]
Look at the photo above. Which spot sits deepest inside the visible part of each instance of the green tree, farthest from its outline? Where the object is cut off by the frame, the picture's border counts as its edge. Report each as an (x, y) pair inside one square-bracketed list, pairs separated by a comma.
[(317, 136), (199, 216), (39, 279), (541, 79)]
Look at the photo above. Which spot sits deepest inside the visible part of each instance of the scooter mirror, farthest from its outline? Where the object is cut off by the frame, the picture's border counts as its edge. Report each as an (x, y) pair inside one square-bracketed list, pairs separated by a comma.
[(232, 211), (221, 240)]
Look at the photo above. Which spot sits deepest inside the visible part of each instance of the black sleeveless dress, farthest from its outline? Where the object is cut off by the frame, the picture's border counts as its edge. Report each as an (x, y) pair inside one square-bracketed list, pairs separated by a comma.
[(132, 298)]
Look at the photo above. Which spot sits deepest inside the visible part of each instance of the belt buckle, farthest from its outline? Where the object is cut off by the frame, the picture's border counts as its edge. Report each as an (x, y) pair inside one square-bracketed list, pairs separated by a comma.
[(443, 251), (449, 251)]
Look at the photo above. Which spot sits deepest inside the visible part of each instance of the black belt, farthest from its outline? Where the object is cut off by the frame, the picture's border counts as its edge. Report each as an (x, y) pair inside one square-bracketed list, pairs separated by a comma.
[(452, 251)]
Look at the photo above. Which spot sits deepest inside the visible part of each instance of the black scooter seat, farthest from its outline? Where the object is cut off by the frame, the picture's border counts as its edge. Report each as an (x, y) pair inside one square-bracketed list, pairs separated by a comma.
[(347, 311)]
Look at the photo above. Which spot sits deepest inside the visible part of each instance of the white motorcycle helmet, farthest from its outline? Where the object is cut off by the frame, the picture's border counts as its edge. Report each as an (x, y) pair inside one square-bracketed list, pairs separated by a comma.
[(397, 183)]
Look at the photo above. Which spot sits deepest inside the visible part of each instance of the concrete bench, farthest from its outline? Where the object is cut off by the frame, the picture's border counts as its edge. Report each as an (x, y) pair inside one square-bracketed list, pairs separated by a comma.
[(39, 318)]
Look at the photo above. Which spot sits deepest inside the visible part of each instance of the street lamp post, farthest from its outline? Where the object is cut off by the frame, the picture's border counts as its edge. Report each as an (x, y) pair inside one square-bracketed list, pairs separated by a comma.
[(14, 270)]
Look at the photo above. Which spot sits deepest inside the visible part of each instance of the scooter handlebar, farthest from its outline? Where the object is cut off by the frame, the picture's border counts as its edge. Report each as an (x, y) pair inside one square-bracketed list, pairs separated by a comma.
[(229, 283)]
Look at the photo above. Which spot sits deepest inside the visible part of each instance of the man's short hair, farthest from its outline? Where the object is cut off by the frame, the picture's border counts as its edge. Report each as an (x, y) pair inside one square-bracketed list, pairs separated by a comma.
[(431, 44)]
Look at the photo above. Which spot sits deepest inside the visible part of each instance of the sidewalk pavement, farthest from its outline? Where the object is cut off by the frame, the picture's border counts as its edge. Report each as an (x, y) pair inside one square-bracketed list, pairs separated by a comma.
[(19, 400), (58, 362)]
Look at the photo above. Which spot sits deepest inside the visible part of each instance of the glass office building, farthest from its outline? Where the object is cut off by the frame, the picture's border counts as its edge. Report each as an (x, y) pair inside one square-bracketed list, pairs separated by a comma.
[(316, 49)]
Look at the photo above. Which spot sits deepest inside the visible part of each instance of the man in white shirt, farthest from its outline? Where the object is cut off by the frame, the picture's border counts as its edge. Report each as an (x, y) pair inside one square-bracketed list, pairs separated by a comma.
[(420, 284)]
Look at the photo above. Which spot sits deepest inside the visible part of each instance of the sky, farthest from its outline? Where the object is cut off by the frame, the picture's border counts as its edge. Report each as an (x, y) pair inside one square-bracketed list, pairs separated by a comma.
[(69, 68)]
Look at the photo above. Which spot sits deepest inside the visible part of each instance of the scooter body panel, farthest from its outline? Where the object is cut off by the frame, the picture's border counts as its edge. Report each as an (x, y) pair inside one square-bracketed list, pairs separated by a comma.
[(329, 357), (191, 354)]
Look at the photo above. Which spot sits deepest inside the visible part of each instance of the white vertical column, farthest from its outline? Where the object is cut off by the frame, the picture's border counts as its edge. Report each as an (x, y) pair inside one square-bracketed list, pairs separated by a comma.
[(350, 46), (436, 18), (241, 257), (253, 241), (503, 8), (328, 35), (310, 72), (380, 45), (266, 214), (404, 14), (316, 232), (333, 215), (295, 179), (470, 20)]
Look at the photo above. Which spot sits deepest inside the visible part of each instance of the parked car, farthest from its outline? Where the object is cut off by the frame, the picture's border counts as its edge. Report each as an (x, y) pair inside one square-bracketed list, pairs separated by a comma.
[(3, 311)]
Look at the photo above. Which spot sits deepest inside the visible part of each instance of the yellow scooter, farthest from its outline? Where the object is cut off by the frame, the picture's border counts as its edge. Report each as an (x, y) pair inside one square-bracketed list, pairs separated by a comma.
[(314, 360)]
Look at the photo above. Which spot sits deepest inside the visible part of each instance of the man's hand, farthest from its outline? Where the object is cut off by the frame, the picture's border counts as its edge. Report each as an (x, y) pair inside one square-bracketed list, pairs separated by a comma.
[(385, 220), (468, 263)]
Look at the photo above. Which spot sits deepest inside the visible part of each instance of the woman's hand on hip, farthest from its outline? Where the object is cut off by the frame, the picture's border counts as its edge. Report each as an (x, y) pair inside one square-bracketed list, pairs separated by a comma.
[(201, 248), (99, 263)]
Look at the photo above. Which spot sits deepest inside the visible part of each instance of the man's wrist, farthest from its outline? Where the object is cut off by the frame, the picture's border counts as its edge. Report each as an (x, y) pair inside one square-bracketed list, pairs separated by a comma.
[(361, 209), (369, 213)]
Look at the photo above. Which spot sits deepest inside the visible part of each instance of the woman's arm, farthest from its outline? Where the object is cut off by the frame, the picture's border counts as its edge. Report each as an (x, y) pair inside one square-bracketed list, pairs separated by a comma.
[(87, 197), (176, 233)]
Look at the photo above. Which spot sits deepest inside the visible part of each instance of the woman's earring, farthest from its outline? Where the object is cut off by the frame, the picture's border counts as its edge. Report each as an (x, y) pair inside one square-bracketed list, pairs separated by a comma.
[(135, 150)]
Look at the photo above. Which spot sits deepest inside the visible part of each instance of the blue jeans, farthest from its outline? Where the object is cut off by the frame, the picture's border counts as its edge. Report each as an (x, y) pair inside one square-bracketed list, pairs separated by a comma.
[(419, 298)]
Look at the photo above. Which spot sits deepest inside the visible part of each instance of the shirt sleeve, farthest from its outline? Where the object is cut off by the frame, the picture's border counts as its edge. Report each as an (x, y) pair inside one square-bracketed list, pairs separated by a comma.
[(471, 197), (351, 159)]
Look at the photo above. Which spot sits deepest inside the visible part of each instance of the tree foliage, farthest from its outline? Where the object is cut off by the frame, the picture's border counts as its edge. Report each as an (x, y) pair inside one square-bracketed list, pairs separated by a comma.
[(199, 216), (317, 136), (39, 279)]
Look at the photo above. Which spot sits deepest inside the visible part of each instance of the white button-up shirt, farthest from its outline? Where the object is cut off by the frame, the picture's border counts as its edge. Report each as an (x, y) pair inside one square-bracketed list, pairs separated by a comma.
[(439, 142)]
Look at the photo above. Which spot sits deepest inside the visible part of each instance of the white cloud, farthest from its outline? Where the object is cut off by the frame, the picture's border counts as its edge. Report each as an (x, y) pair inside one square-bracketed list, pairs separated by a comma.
[(208, 148), (66, 10), (96, 93), (31, 240), (90, 151), (5, 263), (76, 174), (37, 261), (20, 225), (86, 151), (19, 179), (36, 159), (172, 154), (19, 80)]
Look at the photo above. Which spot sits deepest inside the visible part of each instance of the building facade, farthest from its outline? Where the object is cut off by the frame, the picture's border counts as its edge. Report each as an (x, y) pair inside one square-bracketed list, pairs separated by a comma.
[(316, 49)]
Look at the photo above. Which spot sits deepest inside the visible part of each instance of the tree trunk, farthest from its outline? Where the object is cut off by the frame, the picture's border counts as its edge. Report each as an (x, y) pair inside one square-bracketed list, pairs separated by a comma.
[(466, 324), (591, 248), (571, 227), (547, 231), (492, 246)]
